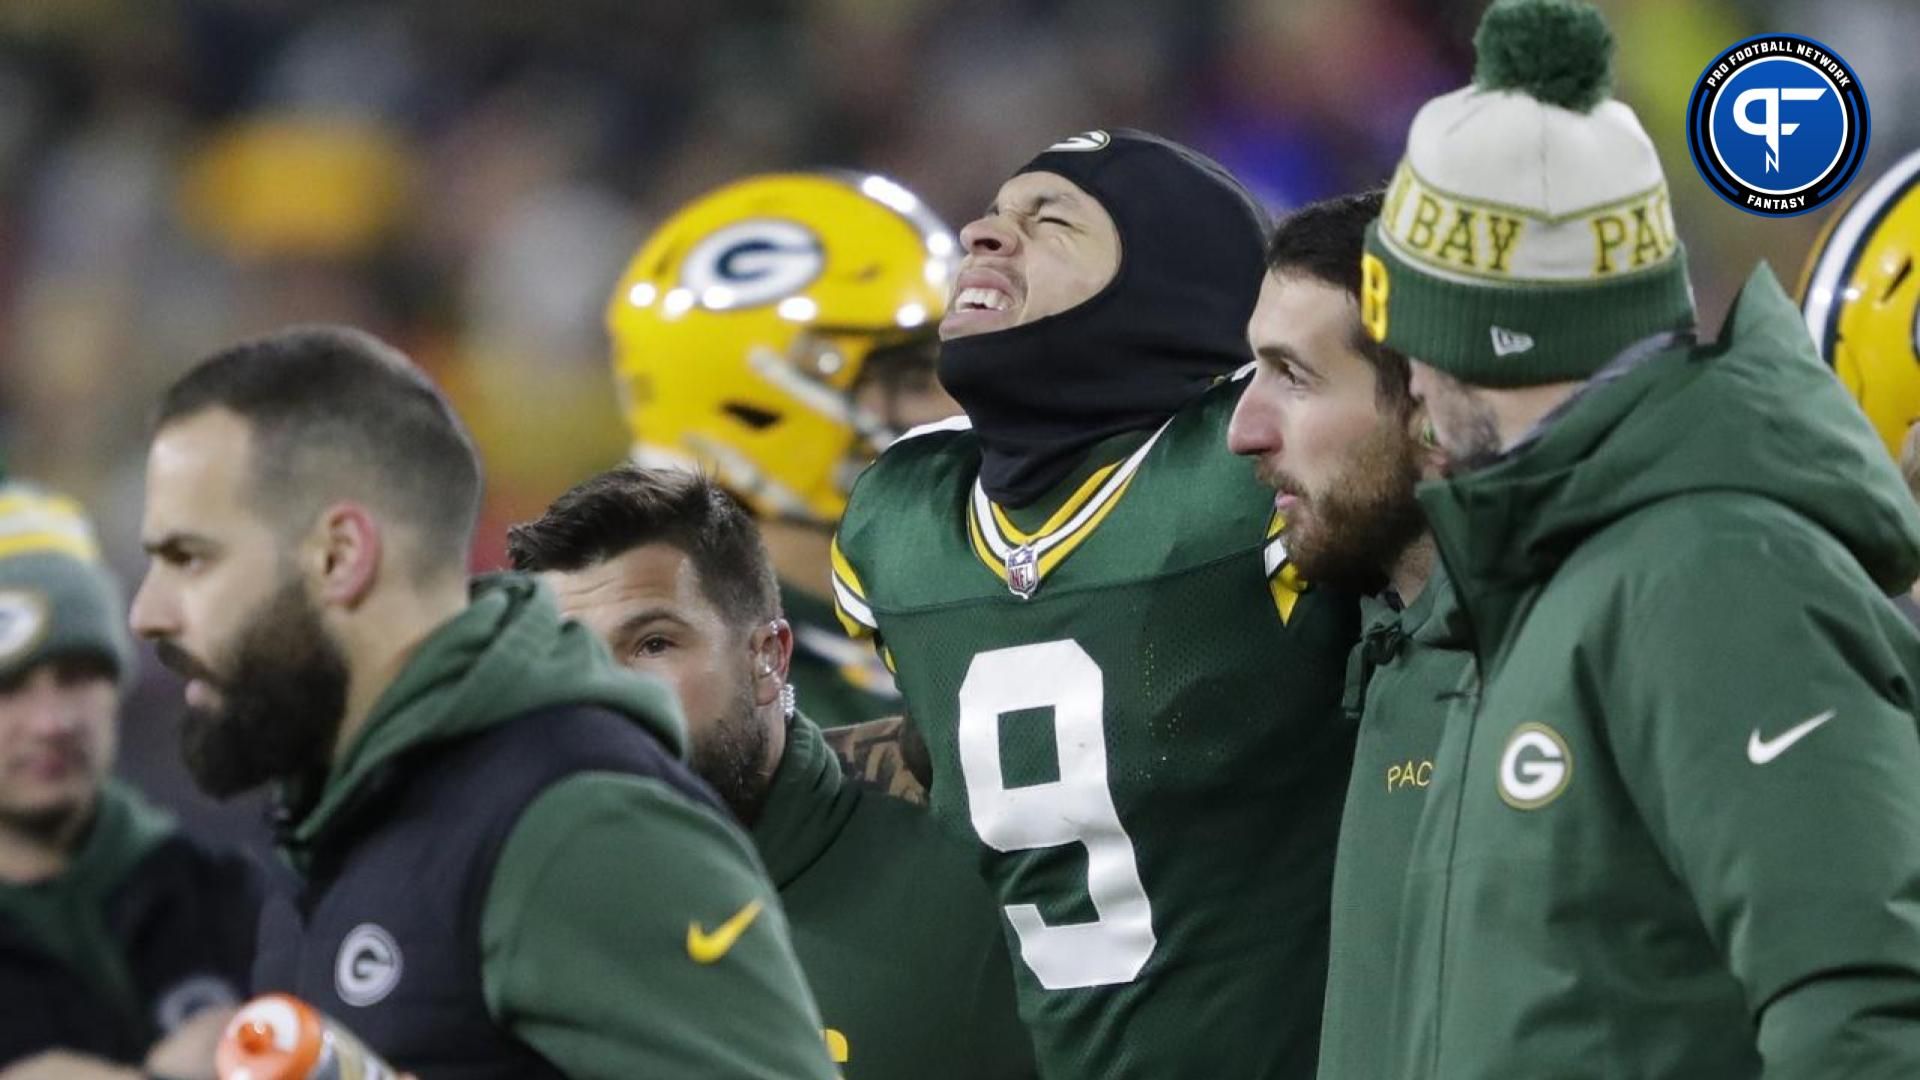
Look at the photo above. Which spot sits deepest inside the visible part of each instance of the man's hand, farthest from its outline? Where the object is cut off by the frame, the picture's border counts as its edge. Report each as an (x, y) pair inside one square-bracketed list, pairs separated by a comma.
[(67, 1065), (187, 1054)]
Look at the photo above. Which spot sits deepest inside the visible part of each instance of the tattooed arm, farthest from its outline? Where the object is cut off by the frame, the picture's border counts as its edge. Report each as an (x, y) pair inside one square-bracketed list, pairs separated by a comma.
[(887, 753)]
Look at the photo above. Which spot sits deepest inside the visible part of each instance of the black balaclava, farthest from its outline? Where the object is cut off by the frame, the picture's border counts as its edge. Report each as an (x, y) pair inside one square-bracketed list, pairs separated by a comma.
[(1172, 320)]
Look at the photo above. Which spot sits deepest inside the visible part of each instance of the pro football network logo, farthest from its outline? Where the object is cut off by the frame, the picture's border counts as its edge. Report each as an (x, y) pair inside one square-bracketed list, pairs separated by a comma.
[(1778, 125)]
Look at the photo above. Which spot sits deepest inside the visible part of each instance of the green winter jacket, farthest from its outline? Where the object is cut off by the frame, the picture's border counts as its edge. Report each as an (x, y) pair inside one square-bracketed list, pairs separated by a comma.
[(1409, 673), (899, 937), (607, 882), (1679, 837)]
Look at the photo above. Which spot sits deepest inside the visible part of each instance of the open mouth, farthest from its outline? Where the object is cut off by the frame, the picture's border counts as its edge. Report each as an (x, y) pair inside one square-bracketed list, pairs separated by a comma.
[(979, 298)]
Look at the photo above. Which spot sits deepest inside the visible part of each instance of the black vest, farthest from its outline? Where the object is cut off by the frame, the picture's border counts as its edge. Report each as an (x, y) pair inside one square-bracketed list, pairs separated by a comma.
[(384, 934), (184, 922)]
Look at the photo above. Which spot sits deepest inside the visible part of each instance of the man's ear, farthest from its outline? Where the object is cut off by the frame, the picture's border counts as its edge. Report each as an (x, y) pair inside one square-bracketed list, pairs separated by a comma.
[(771, 653), (1433, 459), (345, 551)]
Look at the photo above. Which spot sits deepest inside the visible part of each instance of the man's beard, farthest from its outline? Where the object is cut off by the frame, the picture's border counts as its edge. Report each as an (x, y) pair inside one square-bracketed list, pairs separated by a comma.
[(1356, 529), (1472, 436), (280, 701), (49, 825), (730, 757)]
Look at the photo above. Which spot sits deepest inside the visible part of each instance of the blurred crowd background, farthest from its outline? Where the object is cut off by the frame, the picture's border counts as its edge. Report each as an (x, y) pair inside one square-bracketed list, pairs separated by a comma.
[(468, 177)]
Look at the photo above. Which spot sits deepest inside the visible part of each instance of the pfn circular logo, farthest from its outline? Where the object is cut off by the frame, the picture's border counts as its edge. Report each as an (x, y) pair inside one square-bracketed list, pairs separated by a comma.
[(1778, 125)]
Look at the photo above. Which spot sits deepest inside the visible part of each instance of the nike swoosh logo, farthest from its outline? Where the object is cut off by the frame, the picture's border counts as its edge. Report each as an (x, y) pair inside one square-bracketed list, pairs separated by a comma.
[(1760, 751), (708, 948)]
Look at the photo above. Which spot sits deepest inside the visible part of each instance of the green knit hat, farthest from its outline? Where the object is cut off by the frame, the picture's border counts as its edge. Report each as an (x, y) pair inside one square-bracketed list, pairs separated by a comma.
[(1527, 236), (56, 596)]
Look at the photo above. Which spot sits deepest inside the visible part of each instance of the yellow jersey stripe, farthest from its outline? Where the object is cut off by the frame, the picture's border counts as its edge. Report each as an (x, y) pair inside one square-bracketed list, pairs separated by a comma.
[(994, 562), (1060, 517), (852, 610), (1053, 558), (843, 570), (1285, 587)]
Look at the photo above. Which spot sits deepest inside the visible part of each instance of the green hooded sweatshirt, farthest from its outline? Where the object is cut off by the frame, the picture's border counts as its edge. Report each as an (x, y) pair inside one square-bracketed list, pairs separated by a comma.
[(1679, 836), (65, 918), (1411, 670), (608, 882), (897, 933)]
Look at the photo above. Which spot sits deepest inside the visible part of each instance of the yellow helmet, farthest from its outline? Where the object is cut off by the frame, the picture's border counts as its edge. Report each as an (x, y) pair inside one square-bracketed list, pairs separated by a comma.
[(743, 324), (1862, 300)]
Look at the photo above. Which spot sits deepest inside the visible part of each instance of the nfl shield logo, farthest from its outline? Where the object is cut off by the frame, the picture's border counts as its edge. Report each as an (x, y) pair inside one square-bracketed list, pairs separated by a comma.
[(1023, 572)]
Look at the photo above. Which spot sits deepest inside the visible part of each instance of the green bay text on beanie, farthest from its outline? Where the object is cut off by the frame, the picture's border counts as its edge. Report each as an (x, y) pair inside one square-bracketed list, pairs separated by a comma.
[(1527, 236)]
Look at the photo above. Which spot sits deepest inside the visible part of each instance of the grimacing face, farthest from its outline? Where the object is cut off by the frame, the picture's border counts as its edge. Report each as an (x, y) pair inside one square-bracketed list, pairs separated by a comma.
[(1043, 247), (1343, 468), (226, 608), (648, 606), (57, 742)]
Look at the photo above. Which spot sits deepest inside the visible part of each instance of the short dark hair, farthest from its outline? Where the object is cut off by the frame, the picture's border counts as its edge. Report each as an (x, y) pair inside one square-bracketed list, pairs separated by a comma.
[(335, 412), (629, 506), (1325, 241)]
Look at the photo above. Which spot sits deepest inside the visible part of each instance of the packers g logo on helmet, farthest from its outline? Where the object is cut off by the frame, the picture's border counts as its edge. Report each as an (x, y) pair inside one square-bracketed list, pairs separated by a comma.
[(752, 263), (1862, 300), (743, 325)]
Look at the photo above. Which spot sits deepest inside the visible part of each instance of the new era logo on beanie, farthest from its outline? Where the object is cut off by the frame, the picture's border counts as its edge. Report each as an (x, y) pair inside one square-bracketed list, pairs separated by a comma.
[(1527, 236)]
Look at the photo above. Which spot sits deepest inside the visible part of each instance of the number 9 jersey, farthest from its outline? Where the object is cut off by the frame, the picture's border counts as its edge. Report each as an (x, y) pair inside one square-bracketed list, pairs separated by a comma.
[(1132, 716)]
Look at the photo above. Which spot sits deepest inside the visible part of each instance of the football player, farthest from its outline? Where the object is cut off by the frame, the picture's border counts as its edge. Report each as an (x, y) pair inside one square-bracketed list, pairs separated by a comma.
[(776, 333), (1129, 701), (1861, 298)]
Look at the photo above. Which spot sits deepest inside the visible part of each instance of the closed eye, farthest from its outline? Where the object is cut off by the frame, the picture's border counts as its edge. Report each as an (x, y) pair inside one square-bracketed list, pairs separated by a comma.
[(1285, 371)]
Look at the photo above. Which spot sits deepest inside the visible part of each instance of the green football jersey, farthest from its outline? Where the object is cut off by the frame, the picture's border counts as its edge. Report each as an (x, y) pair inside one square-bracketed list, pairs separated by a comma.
[(836, 681), (1133, 716)]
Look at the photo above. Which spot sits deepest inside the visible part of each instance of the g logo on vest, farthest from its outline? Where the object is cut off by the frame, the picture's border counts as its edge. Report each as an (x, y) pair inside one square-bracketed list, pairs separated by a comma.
[(368, 967), (192, 995), (1535, 767), (752, 263)]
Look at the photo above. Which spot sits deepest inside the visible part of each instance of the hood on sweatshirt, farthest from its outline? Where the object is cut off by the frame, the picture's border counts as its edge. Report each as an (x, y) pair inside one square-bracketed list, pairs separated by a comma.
[(509, 653)]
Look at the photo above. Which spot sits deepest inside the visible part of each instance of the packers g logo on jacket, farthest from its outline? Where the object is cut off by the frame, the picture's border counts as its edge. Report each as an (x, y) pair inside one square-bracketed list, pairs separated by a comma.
[(743, 325), (1535, 767), (1861, 299)]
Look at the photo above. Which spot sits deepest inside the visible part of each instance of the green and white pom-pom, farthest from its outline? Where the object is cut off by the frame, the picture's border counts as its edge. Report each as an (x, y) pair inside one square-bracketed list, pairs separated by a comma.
[(1558, 51)]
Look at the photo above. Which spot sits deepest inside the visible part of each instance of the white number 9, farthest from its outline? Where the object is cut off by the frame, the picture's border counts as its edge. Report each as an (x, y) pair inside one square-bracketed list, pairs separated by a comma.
[(1076, 808)]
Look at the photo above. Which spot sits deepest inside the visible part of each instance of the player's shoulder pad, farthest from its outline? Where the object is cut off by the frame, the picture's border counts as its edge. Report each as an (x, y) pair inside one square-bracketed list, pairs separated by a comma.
[(912, 460), (1201, 424), (902, 485), (962, 422)]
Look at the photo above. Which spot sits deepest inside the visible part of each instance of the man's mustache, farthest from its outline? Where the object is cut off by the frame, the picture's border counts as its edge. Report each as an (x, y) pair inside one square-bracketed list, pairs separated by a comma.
[(182, 663), (1278, 480)]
